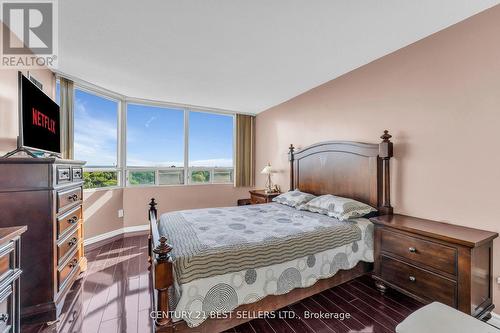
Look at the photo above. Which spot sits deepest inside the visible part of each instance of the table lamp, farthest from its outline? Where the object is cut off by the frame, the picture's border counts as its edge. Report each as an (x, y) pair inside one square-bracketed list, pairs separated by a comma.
[(267, 171)]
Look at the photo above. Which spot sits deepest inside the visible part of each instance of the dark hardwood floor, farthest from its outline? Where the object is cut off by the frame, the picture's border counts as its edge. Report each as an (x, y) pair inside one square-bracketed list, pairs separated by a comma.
[(115, 298)]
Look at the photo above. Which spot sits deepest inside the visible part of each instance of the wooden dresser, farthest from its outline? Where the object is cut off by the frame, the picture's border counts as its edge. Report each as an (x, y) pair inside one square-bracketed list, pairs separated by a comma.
[(10, 271), (260, 196), (435, 261), (46, 195)]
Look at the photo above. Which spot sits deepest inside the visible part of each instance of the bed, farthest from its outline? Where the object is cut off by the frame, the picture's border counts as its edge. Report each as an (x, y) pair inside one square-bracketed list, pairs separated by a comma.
[(229, 260)]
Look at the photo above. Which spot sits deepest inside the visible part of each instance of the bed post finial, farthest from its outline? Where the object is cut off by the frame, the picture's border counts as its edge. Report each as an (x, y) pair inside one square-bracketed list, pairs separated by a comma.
[(291, 150), (163, 249), (152, 208), (386, 136), (385, 153)]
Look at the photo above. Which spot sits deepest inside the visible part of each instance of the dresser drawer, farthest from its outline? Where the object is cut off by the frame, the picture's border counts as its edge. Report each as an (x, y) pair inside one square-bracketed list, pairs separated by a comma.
[(69, 244), (418, 281), (63, 174), (419, 251), (68, 198), (65, 272), (68, 220), (77, 173), (257, 200), (6, 309), (7, 263)]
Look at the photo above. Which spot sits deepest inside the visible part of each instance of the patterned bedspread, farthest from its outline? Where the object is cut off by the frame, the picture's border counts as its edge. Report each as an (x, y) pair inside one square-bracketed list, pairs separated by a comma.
[(209, 242), (224, 229)]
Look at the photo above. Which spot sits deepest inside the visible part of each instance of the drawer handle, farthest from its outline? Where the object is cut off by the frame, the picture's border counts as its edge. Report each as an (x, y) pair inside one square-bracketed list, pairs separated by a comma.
[(4, 317), (412, 278), (73, 263), (73, 197), (73, 241), (73, 220), (412, 249)]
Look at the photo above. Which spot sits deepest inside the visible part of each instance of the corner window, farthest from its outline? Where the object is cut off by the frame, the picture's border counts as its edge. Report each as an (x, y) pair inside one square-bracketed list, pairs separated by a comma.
[(149, 144)]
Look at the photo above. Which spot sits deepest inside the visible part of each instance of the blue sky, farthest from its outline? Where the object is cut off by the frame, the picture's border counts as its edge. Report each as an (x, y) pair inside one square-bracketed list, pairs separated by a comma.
[(95, 129), (210, 139), (155, 136)]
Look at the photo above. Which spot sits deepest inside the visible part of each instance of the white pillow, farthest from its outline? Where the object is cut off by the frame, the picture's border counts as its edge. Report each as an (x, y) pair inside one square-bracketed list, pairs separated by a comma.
[(338, 207), (294, 198)]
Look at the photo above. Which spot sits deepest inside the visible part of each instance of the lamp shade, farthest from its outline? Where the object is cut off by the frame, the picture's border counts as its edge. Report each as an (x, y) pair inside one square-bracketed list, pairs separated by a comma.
[(267, 169)]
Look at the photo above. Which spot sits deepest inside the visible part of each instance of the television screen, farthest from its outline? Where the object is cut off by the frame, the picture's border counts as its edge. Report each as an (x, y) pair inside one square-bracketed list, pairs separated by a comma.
[(40, 119)]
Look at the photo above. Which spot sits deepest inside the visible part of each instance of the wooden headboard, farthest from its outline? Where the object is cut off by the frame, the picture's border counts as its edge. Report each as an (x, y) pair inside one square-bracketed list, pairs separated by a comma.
[(350, 169)]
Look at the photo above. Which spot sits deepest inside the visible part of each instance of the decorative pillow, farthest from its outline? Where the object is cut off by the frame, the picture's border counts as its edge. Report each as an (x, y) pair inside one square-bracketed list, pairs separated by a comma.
[(294, 198), (338, 207)]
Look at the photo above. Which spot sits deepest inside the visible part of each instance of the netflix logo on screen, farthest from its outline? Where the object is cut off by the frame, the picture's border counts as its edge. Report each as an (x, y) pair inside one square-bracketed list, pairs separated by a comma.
[(40, 118)]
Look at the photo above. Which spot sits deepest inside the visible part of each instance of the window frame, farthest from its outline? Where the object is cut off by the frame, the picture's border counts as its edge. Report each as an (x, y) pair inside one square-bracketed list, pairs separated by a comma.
[(96, 168), (187, 177), (121, 167)]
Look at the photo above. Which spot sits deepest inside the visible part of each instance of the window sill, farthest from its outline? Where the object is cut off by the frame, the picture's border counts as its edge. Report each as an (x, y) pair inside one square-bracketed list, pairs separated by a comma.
[(110, 188), (179, 185)]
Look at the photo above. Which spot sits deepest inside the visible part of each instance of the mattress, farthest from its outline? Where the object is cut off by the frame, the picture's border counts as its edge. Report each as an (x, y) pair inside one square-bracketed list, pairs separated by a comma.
[(227, 257)]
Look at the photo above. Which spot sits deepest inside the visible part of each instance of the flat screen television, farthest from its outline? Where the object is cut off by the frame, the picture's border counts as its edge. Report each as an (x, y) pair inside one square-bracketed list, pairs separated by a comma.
[(39, 123)]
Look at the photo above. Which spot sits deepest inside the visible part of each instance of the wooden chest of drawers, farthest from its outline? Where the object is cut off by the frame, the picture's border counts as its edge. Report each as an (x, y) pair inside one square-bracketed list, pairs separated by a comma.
[(46, 195), (434, 261), (10, 272)]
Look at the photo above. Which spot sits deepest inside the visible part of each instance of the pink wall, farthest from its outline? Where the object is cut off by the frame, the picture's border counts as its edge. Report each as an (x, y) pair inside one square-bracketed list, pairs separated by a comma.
[(440, 98), (100, 208)]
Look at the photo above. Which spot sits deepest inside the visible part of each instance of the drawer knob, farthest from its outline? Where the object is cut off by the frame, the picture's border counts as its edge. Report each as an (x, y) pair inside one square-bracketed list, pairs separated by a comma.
[(73, 263), (412, 249), (73, 241), (412, 278), (73, 220), (4, 317)]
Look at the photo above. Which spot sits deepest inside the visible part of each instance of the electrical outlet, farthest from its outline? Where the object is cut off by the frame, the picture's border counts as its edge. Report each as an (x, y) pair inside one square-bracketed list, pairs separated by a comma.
[(498, 280), (120, 212)]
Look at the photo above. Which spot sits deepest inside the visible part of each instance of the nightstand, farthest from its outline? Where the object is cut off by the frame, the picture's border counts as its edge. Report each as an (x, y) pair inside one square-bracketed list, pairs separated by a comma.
[(435, 261), (259, 196)]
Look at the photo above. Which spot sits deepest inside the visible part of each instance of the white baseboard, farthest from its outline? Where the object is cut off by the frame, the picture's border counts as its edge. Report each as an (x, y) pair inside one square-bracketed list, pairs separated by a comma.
[(117, 232), (495, 320)]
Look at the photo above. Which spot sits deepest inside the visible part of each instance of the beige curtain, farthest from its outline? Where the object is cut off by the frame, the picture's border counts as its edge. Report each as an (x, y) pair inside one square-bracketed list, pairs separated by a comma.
[(245, 151), (67, 99)]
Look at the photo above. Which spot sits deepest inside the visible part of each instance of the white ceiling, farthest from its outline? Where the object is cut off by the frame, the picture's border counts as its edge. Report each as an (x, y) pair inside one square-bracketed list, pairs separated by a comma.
[(241, 55)]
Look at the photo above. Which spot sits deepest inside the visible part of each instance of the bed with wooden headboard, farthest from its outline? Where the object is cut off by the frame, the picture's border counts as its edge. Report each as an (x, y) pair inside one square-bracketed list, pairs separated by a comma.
[(350, 169)]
